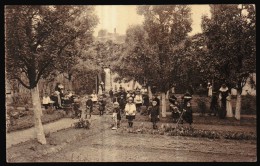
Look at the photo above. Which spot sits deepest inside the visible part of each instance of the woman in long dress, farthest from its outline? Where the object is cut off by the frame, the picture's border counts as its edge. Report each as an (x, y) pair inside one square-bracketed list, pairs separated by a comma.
[(209, 90), (229, 106), (223, 95)]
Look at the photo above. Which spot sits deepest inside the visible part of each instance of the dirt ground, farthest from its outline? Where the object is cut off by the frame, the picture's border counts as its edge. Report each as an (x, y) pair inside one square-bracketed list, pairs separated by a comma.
[(101, 144)]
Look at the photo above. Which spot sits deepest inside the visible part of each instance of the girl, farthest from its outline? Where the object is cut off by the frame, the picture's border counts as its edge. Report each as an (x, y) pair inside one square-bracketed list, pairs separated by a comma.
[(138, 100), (154, 114), (46, 101), (116, 116), (89, 106), (130, 111), (102, 105)]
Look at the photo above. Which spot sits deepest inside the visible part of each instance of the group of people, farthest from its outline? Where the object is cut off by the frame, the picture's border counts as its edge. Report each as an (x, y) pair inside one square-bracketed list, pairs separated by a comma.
[(224, 107), (132, 102), (59, 98)]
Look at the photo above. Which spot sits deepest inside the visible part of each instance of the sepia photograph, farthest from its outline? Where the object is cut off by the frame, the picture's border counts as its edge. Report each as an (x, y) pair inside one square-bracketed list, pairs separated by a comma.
[(130, 83)]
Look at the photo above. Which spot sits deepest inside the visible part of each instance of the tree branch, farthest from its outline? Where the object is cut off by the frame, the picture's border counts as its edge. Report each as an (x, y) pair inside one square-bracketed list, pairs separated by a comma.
[(19, 79)]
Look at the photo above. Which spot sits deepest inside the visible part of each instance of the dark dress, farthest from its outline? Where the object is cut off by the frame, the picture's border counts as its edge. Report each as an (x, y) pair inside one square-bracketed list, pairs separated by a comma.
[(157, 100), (89, 103), (223, 111), (101, 108), (187, 116), (214, 104), (172, 99), (122, 104), (154, 113), (146, 100)]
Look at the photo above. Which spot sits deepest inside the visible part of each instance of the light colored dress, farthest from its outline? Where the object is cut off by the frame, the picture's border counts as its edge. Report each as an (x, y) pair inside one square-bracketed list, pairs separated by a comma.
[(210, 91), (229, 106)]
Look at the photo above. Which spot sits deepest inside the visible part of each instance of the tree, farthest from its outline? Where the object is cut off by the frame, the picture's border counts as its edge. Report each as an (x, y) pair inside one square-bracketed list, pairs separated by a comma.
[(167, 28), (231, 42), (36, 37)]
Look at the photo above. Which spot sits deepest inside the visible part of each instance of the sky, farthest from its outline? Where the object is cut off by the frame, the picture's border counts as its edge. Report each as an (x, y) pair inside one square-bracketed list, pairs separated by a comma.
[(122, 16)]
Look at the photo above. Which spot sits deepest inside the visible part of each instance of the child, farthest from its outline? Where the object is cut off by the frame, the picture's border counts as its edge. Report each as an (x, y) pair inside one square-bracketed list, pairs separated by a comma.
[(116, 116), (101, 104), (89, 105), (154, 114), (122, 103), (130, 110), (46, 101)]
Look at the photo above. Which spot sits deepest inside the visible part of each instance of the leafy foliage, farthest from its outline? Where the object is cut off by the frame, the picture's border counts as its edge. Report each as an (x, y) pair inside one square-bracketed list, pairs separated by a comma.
[(231, 43), (39, 38)]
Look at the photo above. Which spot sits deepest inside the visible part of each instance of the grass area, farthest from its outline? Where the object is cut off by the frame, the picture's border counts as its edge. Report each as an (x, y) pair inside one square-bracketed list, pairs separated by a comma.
[(28, 120)]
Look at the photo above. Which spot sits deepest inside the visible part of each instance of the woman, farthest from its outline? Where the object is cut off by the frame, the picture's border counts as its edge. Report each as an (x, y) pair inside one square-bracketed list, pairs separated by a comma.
[(229, 106), (223, 95), (130, 111), (209, 89)]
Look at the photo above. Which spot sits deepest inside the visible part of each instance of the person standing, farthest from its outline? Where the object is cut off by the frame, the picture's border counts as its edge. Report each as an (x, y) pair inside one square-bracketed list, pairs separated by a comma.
[(94, 97), (154, 114), (116, 116), (155, 98), (138, 100), (214, 104), (223, 95), (229, 106), (102, 105), (209, 89), (89, 106), (130, 111), (188, 114), (145, 102), (122, 103), (111, 94)]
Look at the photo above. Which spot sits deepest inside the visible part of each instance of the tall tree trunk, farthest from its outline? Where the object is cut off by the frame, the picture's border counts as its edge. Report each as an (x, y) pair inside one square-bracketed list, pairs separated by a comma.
[(167, 94), (133, 85), (238, 105), (150, 92), (37, 115), (163, 99)]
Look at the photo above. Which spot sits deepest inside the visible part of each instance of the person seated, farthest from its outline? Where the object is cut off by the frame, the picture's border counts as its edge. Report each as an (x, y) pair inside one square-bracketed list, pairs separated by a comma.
[(46, 101)]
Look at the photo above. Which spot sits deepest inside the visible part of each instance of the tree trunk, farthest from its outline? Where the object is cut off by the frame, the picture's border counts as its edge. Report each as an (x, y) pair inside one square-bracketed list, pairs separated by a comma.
[(163, 99), (167, 94), (70, 85), (133, 86), (37, 110), (150, 92), (238, 106)]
